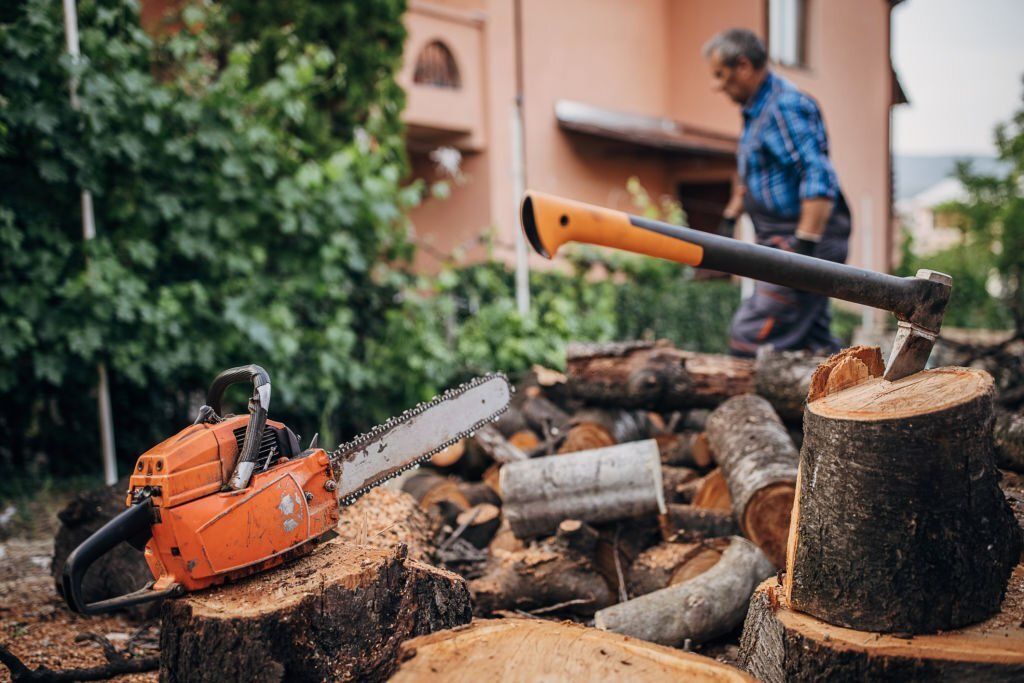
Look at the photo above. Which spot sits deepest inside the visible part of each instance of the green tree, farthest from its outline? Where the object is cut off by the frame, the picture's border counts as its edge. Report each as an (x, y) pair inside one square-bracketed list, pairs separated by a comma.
[(994, 216)]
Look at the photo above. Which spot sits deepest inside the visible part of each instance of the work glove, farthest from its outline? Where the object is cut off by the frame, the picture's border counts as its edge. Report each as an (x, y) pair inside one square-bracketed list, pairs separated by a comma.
[(802, 246), (727, 226)]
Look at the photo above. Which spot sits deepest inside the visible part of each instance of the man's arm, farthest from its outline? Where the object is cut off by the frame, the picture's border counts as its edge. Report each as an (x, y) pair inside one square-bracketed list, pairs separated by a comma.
[(806, 142)]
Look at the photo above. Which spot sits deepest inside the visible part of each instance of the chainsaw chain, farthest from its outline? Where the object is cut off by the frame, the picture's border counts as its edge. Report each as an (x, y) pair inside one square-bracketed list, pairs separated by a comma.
[(361, 441)]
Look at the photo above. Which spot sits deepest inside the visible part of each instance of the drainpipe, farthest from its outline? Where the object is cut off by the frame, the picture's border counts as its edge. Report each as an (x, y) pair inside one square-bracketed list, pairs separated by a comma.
[(88, 233), (519, 172)]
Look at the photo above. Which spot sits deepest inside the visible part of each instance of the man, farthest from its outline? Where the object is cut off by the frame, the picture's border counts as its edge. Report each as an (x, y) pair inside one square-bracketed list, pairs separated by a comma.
[(788, 188)]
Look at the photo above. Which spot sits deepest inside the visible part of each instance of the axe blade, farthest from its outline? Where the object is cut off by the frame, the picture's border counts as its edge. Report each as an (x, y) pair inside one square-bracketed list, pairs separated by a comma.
[(913, 343)]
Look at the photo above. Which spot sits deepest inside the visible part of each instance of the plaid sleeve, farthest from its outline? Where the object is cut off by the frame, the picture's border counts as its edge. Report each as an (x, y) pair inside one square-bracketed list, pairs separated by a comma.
[(806, 143)]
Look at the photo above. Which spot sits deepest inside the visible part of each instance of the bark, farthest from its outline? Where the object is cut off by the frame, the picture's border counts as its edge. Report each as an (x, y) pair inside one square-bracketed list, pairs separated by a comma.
[(655, 376), (675, 481), (537, 650), (759, 462), (784, 378), (780, 644), (704, 607), (594, 486), (120, 571), (686, 449), (917, 537), (670, 563), (687, 522), (1009, 440), (544, 574), (492, 447), (542, 416), (337, 614)]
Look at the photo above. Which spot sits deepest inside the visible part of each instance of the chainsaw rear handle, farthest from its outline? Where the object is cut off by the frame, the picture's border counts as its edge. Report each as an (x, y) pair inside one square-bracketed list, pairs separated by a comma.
[(133, 526), (259, 404), (549, 222)]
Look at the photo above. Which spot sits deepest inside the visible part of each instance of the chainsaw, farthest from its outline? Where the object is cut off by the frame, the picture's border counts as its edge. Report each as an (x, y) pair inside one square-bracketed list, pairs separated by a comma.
[(233, 495)]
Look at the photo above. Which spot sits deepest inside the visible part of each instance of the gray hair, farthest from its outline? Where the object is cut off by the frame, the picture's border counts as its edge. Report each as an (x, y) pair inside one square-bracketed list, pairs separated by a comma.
[(735, 43)]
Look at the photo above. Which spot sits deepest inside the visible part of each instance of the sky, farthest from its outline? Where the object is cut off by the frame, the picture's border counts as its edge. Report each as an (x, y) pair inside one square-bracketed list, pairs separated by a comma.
[(960, 63)]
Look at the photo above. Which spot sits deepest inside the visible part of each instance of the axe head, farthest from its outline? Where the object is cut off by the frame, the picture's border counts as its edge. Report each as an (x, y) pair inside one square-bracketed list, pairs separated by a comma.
[(916, 337)]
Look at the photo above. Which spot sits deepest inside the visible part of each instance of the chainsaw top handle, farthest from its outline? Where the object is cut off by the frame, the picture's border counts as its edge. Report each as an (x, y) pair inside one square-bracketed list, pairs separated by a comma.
[(259, 404)]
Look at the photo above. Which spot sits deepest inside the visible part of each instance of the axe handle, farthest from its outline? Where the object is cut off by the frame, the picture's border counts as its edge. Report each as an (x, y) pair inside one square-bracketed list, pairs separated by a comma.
[(549, 222)]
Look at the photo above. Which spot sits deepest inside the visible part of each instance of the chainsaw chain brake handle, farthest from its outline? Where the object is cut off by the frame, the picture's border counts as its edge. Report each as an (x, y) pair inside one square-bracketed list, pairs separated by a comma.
[(132, 526), (259, 404)]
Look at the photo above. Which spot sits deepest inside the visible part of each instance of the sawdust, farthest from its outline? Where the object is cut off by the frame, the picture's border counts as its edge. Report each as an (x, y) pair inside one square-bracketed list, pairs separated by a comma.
[(383, 518)]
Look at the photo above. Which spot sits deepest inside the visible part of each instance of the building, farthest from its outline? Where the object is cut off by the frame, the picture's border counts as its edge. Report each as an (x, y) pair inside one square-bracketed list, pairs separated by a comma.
[(573, 97), (927, 219)]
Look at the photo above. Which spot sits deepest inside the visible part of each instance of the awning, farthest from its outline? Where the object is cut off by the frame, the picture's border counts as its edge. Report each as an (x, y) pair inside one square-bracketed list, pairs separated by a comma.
[(651, 132)]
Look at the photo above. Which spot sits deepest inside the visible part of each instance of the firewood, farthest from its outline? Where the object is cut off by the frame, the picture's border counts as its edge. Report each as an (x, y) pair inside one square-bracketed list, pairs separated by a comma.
[(713, 493), (1009, 440), (504, 540), (759, 462), (543, 574), (845, 369), (538, 650), (449, 456), (542, 416), (784, 379), (430, 489), (655, 376), (686, 449), (339, 613), (899, 524), (618, 546), (674, 481), (670, 563), (782, 644), (478, 524), (687, 522), (524, 439), (596, 428), (707, 606), (601, 485), (491, 447)]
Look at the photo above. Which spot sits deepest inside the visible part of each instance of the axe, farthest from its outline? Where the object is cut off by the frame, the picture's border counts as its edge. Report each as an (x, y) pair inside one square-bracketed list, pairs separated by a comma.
[(918, 302)]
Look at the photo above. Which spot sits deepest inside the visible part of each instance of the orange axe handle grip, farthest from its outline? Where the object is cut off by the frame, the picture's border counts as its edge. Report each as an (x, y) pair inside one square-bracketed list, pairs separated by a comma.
[(550, 222)]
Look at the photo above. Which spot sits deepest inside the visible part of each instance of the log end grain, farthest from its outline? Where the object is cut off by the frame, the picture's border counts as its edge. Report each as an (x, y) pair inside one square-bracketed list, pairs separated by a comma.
[(533, 650), (780, 644)]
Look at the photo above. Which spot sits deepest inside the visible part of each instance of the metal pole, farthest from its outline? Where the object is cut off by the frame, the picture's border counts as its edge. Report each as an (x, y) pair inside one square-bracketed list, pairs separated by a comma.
[(88, 233), (518, 189)]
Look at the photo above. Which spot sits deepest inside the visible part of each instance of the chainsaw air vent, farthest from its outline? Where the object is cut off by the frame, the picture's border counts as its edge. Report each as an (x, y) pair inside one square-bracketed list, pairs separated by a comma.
[(269, 447)]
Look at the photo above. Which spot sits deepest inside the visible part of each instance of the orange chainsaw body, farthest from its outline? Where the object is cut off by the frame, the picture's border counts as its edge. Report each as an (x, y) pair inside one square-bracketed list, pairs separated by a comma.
[(204, 535)]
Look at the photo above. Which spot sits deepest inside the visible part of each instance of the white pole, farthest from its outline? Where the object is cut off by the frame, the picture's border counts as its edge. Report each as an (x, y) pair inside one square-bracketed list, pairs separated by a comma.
[(518, 189), (88, 233), (868, 315)]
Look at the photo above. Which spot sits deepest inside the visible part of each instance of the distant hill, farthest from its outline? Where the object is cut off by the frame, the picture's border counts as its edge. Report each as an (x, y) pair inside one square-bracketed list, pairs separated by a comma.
[(913, 174)]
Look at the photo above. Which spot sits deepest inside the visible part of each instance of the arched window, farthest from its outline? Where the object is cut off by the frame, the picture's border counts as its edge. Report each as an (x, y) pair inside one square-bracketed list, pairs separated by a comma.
[(436, 66)]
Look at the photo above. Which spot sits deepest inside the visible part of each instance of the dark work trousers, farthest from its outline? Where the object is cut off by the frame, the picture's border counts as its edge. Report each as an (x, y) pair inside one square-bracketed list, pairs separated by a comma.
[(785, 318)]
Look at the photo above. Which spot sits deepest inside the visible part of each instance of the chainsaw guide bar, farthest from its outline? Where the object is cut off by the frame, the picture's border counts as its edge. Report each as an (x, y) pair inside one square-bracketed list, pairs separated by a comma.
[(406, 441)]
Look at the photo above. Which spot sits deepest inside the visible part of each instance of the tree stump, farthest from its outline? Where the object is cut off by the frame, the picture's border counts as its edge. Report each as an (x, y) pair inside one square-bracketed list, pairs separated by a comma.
[(900, 525), (759, 462), (339, 613), (523, 650), (780, 644)]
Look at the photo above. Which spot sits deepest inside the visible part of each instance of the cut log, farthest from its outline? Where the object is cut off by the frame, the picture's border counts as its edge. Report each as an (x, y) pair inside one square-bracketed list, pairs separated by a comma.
[(543, 416), (704, 607), (1009, 440), (595, 428), (541, 575), (784, 378), (538, 650), (386, 519), (655, 376), (492, 447), (713, 493), (524, 439), (675, 481), (759, 462), (689, 523), (667, 564), (618, 547), (594, 486), (780, 644), (481, 523), (686, 449), (900, 525), (504, 539), (479, 493), (430, 489), (449, 456), (339, 613)]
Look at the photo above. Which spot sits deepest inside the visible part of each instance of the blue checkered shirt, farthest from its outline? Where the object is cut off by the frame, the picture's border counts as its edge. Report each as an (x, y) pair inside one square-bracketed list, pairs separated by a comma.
[(783, 152)]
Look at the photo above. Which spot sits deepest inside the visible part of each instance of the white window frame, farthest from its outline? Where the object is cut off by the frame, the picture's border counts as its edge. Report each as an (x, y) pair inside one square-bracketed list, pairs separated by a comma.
[(787, 32)]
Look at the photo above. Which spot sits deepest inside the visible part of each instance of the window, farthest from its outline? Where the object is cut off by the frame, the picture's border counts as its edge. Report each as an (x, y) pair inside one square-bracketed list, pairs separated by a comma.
[(436, 67), (787, 30)]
